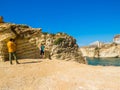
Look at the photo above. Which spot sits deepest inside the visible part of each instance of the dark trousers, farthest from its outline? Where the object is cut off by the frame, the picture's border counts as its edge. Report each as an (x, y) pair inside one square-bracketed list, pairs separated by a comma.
[(12, 55), (41, 52)]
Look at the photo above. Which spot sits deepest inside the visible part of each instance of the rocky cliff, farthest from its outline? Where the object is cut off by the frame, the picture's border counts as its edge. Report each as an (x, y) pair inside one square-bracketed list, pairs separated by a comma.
[(108, 50), (60, 45)]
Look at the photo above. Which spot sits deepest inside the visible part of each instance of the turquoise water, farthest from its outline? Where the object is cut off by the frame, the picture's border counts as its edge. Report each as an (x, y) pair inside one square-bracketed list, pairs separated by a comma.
[(104, 61)]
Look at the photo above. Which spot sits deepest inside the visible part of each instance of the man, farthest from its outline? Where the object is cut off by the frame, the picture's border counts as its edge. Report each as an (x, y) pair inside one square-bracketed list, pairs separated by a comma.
[(42, 47), (11, 49)]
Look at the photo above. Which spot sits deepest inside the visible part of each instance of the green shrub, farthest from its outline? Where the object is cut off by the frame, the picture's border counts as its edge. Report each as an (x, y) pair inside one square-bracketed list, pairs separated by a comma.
[(58, 41), (45, 33), (59, 32), (23, 26), (114, 44), (58, 56), (52, 34)]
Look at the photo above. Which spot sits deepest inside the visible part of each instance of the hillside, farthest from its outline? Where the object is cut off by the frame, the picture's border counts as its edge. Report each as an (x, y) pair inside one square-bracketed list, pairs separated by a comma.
[(44, 74)]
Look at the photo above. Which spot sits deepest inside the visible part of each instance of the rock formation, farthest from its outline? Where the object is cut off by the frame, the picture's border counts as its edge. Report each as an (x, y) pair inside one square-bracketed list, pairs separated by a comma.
[(60, 46), (107, 50), (1, 19)]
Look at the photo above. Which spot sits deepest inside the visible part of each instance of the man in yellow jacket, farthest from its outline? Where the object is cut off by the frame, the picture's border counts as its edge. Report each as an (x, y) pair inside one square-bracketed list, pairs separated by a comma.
[(12, 49)]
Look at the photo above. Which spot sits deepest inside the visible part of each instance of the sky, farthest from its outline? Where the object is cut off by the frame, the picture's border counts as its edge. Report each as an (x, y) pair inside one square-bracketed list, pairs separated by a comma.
[(86, 20)]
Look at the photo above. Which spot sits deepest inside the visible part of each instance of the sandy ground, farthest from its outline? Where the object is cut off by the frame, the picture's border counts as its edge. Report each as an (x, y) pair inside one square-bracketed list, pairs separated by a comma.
[(40, 74)]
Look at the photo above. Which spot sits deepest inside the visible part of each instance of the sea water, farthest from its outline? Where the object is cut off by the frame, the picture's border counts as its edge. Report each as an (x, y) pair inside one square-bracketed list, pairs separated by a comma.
[(103, 61)]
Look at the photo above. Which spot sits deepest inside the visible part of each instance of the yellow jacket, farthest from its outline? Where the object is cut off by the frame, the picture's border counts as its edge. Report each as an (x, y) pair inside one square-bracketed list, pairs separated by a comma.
[(11, 46)]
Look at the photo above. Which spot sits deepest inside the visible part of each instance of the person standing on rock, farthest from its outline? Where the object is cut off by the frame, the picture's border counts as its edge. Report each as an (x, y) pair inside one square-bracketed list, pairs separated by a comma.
[(12, 50), (42, 48)]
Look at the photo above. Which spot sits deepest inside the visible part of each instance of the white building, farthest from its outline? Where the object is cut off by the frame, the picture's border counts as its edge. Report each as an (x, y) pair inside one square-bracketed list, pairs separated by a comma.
[(96, 44), (116, 39)]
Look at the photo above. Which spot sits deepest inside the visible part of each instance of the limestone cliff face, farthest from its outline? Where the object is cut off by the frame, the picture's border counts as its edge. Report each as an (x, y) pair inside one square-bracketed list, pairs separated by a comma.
[(86, 51), (110, 50), (28, 40)]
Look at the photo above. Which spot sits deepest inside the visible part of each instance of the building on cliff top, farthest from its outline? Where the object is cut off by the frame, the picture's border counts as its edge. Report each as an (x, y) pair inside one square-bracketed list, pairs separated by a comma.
[(96, 44), (116, 39)]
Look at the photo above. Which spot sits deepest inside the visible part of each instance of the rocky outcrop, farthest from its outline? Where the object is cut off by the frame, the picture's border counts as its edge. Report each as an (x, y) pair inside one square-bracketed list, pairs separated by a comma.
[(24, 36), (108, 50), (87, 51), (1, 19), (60, 46), (67, 50)]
